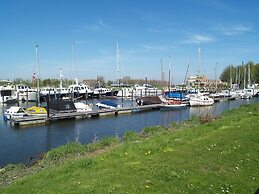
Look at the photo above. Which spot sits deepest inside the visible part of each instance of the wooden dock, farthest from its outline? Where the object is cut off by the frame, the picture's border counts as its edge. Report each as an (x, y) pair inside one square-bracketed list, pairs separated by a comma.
[(35, 120)]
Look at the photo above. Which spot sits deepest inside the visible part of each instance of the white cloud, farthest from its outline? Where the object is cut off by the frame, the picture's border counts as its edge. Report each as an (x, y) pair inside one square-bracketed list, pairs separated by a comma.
[(233, 30), (195, 38), (100, 25), (150, 48)]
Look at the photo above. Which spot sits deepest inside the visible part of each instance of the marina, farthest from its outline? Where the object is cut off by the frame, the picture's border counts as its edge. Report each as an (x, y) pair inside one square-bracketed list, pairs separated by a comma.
[(25, 142)]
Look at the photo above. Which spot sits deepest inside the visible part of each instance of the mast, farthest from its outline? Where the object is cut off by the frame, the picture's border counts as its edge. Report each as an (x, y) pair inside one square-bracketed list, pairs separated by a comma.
[(199, 58), (169, 76), (199, 64), (60, 77), (185, 79), (236, 75), (244, 75), (73, 61), (249, 75), (38, 74), (230, 76), (118, 64), (162, 77), (216, 84)]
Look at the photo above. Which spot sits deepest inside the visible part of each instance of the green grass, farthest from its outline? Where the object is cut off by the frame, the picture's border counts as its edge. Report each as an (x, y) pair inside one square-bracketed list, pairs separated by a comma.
[(220, 156)]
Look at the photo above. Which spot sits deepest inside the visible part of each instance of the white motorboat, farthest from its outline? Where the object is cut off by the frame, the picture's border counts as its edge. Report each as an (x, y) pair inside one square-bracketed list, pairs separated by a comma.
[(201, 101), (26, 93), (8, 94), (14, 112), (98, 92), (80, 90), (81, 107)]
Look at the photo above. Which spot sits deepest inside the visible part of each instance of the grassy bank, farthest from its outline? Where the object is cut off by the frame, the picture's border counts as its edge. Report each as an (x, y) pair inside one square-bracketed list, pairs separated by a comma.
[(202, 155)]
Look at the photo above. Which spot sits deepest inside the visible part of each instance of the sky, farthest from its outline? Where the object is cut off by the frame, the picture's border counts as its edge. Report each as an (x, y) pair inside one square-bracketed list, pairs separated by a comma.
[(148, 32)]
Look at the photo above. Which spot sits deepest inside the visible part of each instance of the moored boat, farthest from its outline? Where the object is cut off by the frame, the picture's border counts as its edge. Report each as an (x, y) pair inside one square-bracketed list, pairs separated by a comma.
[(14, 112), (36, 111), (201, 101), (108, 104)]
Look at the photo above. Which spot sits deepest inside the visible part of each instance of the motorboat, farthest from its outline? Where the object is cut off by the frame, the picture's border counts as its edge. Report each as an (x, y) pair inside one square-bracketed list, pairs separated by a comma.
[(14, 112), (26, 93), (148, 100), (100, 92), (81, 107), (80, 90), (61, 106), (246, 94), (107, 104), (201, 101), (8, 94), (36, 111)]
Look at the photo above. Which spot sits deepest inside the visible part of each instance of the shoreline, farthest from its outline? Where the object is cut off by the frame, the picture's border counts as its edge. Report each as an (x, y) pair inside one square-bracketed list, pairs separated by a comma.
[(75, 152)]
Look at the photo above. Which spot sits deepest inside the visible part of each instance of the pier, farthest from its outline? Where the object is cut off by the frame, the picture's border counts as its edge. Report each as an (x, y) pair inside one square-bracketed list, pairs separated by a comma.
[(35, 120)]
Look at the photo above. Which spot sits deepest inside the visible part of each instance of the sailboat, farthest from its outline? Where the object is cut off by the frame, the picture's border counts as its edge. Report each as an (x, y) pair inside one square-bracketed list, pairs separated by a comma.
[(200, 99)]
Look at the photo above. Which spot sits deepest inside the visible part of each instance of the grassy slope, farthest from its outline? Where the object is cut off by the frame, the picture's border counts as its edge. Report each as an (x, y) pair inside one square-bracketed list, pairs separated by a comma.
[(220, 156)]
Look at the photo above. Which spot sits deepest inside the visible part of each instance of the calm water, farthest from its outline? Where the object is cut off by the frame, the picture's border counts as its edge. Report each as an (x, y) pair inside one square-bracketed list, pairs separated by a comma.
[(18, 144)]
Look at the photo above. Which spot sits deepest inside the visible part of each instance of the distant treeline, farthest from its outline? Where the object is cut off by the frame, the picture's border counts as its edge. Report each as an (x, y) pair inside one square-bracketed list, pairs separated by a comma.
[(100, 81), (239, 72)]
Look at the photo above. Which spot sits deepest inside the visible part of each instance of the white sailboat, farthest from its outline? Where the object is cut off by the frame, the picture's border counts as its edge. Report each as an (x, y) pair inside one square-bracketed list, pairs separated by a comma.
[(198, 99)]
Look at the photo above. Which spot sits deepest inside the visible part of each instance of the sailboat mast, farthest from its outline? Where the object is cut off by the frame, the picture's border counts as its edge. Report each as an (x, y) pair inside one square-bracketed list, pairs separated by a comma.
[(185, 79), (249, 75), (199, 58), (73, 61), (244, 75), (169, 76), (60, 77), (230, 76), (162, 77), (38, 74), (118, 64), (216, 84)]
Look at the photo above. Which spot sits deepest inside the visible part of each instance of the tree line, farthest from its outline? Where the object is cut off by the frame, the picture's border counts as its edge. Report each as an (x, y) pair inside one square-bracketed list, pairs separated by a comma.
[(239, 74)]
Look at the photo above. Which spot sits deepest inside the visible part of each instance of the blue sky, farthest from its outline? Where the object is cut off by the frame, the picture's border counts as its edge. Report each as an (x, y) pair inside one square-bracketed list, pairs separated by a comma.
[(146, 30)]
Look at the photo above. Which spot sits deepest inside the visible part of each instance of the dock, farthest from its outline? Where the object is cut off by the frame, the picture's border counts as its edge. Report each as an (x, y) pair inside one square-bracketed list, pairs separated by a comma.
[(36, 120)]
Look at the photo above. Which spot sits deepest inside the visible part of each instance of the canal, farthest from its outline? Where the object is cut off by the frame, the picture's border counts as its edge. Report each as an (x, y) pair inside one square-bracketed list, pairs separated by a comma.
[(17, 145)]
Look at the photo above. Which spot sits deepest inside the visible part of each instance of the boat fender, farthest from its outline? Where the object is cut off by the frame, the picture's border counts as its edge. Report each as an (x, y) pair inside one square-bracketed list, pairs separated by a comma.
[(91, 105)]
